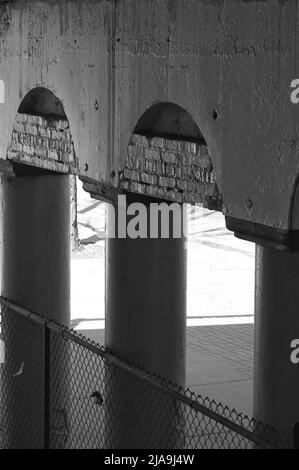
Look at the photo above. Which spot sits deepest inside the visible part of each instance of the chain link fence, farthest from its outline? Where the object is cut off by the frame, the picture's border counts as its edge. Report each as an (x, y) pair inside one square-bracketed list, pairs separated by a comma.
[(61, 390)]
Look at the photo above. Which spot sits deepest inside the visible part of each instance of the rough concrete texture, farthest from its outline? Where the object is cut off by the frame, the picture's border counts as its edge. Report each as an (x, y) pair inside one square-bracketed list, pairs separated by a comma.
[(180, 171), (43, 143), (228, 63)]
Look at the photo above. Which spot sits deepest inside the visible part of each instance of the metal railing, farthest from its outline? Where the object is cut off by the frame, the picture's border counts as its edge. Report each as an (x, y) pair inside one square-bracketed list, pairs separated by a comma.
[(61, 390)]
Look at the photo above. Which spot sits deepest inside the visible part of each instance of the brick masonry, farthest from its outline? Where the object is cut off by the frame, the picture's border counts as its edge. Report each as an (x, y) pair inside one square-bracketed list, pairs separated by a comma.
[(44, 143), (168, 169)]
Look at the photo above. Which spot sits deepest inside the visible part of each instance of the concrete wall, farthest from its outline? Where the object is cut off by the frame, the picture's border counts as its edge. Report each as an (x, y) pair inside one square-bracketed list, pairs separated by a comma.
[(228, 63)]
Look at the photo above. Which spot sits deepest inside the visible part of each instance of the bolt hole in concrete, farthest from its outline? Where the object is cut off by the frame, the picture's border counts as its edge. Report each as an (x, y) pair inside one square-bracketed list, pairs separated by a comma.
[(220, 295)]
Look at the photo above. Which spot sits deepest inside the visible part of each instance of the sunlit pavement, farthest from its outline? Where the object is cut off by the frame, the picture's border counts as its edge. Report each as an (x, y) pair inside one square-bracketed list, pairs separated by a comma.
[(219, 300)]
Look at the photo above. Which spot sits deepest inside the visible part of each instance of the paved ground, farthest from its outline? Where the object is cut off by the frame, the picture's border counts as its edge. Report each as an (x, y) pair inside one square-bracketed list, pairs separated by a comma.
[(220, 301)]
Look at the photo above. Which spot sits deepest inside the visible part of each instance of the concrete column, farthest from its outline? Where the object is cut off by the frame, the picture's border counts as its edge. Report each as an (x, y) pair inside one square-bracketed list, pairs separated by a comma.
[(145, 323), (276, 378), (36, 244), (36, 276)]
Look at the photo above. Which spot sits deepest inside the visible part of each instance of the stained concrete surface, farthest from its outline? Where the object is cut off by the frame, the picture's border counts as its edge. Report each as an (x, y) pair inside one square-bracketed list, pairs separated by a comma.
[(219, 301)]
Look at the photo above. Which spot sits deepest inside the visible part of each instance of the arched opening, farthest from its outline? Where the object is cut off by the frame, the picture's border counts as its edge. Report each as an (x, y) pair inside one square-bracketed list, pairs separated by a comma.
[(170, 121), (168, 158), (41, 136), (42, 102), (36, 252)]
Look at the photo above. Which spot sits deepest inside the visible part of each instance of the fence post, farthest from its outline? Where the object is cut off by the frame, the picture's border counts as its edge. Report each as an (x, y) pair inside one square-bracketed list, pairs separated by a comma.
[(296, 436), (47, 391)]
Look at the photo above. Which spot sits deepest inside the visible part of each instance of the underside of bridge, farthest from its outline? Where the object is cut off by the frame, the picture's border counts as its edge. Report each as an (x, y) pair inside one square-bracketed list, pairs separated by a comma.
[(147, 102)]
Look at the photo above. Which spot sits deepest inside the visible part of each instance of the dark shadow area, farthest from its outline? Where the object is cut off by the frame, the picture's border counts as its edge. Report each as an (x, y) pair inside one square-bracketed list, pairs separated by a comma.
[(170, 121), (42, 102)]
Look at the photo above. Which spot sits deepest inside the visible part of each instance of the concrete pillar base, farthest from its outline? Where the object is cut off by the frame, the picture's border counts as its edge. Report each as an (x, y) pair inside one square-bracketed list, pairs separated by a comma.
[(145, 324), (276, 378), (36, 276)]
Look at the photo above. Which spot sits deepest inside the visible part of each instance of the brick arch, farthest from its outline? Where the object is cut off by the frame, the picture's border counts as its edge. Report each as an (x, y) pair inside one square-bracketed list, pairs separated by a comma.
[(168, 158), (41, 135)]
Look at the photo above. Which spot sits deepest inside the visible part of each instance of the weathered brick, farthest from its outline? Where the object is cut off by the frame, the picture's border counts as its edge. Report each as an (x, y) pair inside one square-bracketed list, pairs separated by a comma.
[(171, 195), (130, 162), (193, 147), (186, 147), (67, 135), (41, 152), (161, 192), (36, 141), (182, 169), (197, 160), (159, 168), (11, 155), (26, 138), (61, 124), (186, 159), (37, 120), (133, 151), (66, 157), (157, 142), (184, 172), (212, 177), (31, 129), (44, 132), (19, 126), (182, 184), (150, 179), (171, 144), (141, 141), (170, 170), (150, 166), (28, 149), (190, 186), (198, 173), (139, 164), (203, 150), (124, 184), (189, 198), (15, 137), (24, 158), (22, 117), (131, 175), (137, 187), (151, 190), (179, 197), (52, 154), (152, 154), (169, 157), (178, 172), (56, 134), (166, 182)]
